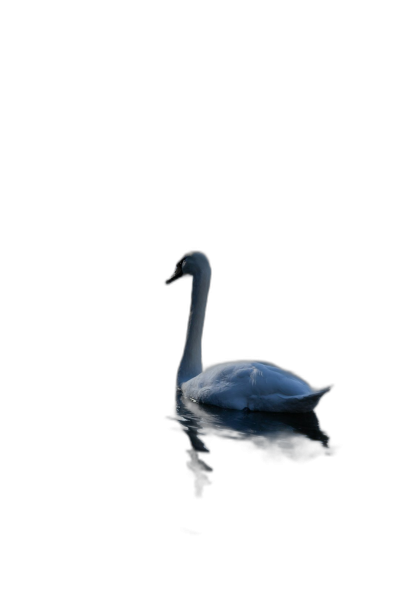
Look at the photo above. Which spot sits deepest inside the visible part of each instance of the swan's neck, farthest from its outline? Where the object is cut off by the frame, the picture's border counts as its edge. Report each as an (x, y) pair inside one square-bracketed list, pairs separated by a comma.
[(191, 364)]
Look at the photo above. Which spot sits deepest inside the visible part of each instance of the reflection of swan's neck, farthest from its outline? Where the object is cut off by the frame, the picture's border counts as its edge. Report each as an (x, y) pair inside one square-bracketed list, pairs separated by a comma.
[(191, 364)]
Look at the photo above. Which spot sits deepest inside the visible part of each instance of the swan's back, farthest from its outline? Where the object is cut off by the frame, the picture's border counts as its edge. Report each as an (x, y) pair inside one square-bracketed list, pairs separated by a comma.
[(252, 385)]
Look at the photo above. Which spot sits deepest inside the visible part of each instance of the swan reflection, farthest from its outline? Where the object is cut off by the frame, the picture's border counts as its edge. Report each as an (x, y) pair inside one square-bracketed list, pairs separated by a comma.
[(296, 435)]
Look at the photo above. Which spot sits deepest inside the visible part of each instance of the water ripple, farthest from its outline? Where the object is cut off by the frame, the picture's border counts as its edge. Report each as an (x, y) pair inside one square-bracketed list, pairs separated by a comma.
[(278, 436)]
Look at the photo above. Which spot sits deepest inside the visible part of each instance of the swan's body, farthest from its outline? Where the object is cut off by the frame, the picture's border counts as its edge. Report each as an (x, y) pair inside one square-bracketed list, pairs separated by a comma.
[(251, 385)]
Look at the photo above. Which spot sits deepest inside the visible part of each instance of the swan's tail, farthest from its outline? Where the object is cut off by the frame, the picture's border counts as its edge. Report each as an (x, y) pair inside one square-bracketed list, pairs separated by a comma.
[(308, 402), (294, 404)]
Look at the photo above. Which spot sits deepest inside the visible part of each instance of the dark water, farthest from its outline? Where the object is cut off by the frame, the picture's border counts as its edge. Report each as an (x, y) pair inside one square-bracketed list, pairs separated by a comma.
[(289, 434)]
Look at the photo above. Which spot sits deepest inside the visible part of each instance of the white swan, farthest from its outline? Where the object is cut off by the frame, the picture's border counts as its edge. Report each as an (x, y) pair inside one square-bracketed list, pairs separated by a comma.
[(251, 385)]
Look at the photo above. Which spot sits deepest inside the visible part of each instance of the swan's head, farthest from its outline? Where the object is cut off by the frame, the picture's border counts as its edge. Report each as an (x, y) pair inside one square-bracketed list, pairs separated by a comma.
[(193, 263)]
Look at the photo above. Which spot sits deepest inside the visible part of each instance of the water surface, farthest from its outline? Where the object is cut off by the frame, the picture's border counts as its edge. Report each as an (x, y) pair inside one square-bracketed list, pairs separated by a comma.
[(296, 436)]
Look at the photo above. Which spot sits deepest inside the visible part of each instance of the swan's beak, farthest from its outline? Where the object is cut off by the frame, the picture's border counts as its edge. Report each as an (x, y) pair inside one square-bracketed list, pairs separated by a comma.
[(178, 273)]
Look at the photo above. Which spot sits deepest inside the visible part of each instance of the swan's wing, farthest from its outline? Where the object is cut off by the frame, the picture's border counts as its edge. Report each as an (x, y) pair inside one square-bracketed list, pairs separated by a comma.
[(254, 385), (270, 379), (301, 403), (220, 385), (282, 389)]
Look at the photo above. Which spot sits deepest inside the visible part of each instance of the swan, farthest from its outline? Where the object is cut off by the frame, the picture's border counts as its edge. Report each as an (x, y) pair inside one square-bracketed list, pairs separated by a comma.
[(242, 385)]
